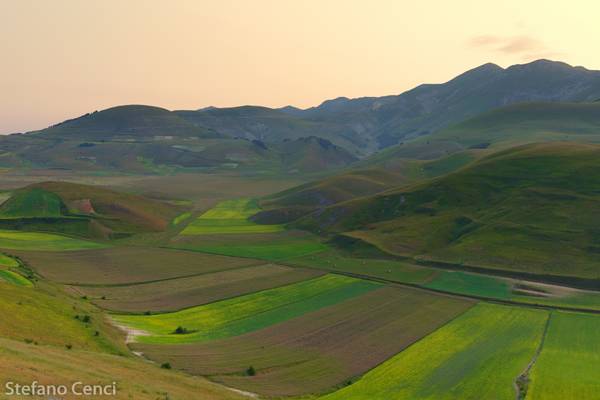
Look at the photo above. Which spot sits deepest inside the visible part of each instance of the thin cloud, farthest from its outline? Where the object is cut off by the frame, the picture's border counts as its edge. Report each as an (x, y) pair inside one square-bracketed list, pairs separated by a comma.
[(523, 46)]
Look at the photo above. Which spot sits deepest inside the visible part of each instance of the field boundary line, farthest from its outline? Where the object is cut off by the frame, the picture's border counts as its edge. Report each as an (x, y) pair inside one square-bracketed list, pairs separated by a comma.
[(100, 285), (522, 381)]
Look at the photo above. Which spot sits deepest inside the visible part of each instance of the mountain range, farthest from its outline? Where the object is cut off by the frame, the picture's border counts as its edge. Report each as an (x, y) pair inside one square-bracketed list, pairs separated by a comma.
[(333, 135)]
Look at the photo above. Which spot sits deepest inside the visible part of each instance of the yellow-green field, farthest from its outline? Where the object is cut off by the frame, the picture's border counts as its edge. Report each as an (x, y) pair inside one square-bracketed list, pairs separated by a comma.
[(7, 273), (476, 356), (247, 313), (8, 262), (14, 278), (43, 241), (230, 216), (569, 365)]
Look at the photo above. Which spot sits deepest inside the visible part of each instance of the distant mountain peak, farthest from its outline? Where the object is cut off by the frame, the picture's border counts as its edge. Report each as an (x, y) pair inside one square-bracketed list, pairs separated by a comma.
[(544, 64)]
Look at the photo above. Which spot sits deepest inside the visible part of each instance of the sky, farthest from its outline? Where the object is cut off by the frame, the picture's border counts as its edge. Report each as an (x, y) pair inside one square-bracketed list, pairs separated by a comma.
[(62, 58)]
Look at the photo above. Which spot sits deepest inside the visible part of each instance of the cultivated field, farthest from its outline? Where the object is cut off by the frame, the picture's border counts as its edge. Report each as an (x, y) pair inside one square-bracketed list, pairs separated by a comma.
[(398, 271), (122, 265), (247, 313), (267, 246), (569, 365), (230, 216), (16, 240), (471, 284), (476, 356), (463, 283), (175, 294), (318, 350)]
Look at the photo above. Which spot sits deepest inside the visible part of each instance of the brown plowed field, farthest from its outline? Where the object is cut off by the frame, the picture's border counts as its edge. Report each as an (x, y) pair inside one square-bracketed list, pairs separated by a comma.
[(120, 265), (175, 294)]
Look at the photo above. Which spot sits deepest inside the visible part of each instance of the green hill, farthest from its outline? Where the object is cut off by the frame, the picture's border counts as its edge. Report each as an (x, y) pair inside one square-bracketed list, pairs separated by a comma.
[(529, 210), (84, 210), (293, 203), (274, 126), (128, 121), (35, 202), (502, 128)]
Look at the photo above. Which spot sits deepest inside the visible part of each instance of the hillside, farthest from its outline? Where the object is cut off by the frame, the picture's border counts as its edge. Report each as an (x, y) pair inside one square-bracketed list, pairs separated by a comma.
[(293, 203), (428, 108), (273, 126), (141, 138), (126, 122), (83, 210), (531, 209), (508, 126), (149, 140)]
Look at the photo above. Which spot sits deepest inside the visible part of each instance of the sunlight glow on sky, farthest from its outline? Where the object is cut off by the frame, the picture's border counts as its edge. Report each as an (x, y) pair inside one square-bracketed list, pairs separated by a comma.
[(63, 58)]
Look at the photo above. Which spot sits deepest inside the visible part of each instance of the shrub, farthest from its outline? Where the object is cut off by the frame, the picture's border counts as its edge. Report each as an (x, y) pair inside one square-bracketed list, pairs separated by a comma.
[(251, 371), (165, 365), (180, 331)]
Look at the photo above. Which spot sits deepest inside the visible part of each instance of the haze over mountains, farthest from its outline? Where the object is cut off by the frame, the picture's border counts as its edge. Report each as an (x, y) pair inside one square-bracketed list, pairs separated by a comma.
[(147, 139)]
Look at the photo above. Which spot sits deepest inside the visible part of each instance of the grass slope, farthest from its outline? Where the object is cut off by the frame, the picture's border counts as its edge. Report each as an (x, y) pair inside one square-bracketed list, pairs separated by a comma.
[(500, 128), (293, 203), (46, 316), (24, 363), (569, 364), (476, 356), (529, 209), (248, 313)]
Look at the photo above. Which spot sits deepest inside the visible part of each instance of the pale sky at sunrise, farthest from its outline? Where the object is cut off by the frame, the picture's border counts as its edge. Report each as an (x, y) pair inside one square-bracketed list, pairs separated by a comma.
[(63, 58)]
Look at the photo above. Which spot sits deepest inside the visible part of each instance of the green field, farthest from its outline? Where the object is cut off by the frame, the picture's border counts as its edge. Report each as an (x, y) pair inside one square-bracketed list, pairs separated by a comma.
[(266, 251), (230, 216), (14, 278), (43, 242), (8, 262), (246, 313), (180, 218), (569, 365), (476, 356), (387, 269), (471, 284), (508, 289)]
